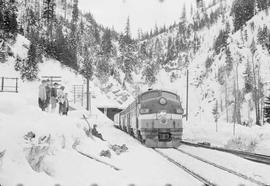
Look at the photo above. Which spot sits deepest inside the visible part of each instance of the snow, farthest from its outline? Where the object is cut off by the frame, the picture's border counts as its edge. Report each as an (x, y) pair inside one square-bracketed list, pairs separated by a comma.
[(252, 139), (61, 163), (213, 174), (51, 157), (233, 162)]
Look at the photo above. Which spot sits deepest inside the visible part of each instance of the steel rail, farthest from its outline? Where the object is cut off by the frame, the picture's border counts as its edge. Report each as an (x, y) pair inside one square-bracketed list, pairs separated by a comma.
[(259, 158), (223, 168), (195, 175)]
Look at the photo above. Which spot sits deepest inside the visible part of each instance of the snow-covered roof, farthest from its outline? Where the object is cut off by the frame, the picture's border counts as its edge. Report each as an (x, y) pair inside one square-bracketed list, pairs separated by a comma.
[(102, 101)]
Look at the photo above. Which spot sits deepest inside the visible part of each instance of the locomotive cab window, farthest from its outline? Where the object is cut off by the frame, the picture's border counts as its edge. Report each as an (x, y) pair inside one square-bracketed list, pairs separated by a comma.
[(169, 95), (150, 95)]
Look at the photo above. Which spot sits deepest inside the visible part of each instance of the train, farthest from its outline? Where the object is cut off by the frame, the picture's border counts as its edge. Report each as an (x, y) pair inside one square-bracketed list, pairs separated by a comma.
[(154, 118)]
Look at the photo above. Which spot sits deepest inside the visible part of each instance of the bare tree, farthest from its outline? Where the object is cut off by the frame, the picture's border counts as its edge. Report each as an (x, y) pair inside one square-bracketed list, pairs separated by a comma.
[(255, 91)]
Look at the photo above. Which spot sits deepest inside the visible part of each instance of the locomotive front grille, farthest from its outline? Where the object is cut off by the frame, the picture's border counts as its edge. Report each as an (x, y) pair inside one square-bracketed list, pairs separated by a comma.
[(164, 136)]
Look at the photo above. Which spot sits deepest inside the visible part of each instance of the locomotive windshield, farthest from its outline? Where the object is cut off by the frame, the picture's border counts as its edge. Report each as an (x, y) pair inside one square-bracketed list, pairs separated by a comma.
[(169, 95), (160, 101), (150, 95)]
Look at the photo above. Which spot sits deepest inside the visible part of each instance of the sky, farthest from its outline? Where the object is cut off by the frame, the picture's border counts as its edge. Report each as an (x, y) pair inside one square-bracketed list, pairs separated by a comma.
[(143, 14)]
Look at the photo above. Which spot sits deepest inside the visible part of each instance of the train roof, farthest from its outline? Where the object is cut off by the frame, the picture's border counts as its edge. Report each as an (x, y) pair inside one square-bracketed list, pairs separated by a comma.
[(156, 90)]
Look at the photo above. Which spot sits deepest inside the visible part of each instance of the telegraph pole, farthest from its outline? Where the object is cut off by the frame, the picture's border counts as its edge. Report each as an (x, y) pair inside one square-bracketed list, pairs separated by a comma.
[(87, 95), (187, 97)]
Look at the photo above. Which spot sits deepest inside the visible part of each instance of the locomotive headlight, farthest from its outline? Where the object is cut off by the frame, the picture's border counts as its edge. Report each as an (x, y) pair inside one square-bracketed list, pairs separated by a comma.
[(179, 111), (144, 110), (162, 101)]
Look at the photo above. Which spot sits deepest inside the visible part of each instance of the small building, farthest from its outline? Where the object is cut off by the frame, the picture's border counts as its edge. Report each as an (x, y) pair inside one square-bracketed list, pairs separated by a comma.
[(106, 105), (110, 111)]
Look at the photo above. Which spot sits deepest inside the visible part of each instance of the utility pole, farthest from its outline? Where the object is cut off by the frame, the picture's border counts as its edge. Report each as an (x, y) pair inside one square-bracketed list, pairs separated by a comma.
[(235, 100), (87, 93), (187, 97)]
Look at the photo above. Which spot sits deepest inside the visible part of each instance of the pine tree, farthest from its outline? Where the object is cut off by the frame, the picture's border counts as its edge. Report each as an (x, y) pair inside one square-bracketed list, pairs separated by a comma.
[(6, 21), (96, 35), (184, 12), (127, 29), (81, 40), (60, 42), (1, 18), (49, 17), (106, 44), (228, 61), (157, 50), (215, 113), (74, 37), (87, 68), (75, 12), (248, 79), (29, 69), (103, 69), (261, 4), (263, 36), (191, 9), (149, 73), (127, 57), (156, 30), (256, 96), (243, 10), (221, 41), (171, 51), (8, 18), (266, 109)]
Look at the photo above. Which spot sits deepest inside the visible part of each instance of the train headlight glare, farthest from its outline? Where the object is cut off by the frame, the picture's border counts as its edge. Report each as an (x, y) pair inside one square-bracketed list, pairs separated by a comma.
[(162, 101), (144, 110)]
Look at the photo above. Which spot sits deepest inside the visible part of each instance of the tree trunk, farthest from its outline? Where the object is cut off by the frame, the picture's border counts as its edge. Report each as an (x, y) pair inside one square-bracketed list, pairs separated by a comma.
[(226, 100), (255, 92), (234, 114), (238, 112), (65, 9)]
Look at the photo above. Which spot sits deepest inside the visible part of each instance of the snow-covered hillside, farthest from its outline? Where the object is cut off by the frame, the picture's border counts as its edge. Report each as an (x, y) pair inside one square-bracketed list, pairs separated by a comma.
[(43, 148)]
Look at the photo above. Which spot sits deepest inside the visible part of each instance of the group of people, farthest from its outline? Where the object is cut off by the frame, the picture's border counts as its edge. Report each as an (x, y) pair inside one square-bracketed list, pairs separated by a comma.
[(51, 94)]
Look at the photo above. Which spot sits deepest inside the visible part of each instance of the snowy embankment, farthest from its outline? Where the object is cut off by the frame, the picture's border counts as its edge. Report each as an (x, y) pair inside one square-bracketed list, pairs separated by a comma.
[(41, 149), (253, 139)]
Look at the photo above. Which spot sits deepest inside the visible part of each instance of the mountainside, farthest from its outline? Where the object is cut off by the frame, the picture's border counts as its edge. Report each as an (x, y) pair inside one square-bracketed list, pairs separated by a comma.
[(224, 50)]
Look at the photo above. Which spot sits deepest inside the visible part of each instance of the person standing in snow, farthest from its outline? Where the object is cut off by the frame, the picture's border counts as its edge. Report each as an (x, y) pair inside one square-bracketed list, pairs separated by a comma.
[(53, 96), (61, 98), (42, 95), (65, 104), (48, 94)]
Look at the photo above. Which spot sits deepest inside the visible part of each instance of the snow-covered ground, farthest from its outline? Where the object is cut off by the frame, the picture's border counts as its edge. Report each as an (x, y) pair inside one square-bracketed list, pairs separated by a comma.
[(252, 139), (41, 147), (50, 157)]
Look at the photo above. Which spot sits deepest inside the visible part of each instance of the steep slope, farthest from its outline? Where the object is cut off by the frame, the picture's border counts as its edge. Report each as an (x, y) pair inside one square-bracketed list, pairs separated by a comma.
[(217, 58)]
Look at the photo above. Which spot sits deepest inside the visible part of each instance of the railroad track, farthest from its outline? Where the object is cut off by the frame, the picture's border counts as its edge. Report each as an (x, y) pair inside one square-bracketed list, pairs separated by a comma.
[(224, 168), (202, 179), (192, 173), (259, 158)]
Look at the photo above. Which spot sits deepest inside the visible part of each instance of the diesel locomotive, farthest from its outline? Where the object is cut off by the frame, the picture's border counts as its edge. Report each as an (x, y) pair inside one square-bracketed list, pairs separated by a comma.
[(154, 118)]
